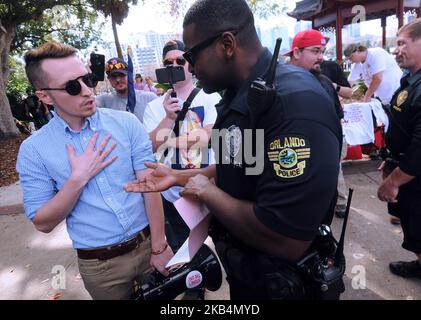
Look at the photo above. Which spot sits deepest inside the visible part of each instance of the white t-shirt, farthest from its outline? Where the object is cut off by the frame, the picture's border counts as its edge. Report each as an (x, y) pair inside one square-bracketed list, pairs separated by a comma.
[(378, 60), (117, 102), (201, 113), (357, 123)]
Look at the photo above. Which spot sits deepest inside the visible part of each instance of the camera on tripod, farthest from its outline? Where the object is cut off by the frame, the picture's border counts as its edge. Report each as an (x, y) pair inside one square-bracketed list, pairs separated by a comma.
[(202, 272)]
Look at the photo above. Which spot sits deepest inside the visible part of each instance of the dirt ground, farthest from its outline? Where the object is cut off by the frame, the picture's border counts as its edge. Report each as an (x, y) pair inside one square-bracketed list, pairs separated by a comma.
[(9, 148)]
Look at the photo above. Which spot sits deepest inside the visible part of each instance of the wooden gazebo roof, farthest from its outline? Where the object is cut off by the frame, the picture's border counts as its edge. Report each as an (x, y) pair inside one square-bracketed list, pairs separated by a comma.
[(337, 13)]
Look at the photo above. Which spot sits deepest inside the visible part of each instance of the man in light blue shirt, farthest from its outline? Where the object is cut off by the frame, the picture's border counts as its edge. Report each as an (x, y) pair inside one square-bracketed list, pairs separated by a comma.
[(74, 169)]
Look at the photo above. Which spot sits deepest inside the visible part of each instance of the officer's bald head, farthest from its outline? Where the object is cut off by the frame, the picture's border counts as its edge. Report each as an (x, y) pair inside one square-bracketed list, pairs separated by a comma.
[(213, 16)]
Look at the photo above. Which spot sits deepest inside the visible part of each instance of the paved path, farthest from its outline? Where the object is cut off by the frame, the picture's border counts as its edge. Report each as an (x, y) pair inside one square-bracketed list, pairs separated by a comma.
[(28, 256)]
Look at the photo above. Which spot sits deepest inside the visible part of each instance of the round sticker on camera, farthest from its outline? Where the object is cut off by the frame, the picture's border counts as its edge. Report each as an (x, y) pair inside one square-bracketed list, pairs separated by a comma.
[(193, 279)]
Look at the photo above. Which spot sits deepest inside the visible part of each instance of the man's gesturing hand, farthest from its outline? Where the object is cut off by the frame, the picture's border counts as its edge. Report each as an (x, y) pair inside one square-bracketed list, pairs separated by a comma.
[(91, 162)]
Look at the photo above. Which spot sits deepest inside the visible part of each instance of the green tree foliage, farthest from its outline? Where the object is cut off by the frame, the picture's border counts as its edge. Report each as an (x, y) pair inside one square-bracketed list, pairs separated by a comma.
[(24, 24), (18, 83), (266, 8), (74, 25), (117, 10), (261, 8)]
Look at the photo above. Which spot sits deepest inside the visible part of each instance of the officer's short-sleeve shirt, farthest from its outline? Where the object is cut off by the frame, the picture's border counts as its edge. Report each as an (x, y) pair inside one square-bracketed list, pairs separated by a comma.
[(299, 151), (404, 135)]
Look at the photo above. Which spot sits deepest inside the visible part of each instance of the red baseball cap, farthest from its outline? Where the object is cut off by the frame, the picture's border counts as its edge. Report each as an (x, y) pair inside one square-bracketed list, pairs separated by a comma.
[(307, 38)]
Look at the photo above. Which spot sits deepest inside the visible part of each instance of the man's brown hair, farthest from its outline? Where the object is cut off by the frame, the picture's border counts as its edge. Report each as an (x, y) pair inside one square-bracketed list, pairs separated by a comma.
[(353, 47), (413, 29), (34, 57)]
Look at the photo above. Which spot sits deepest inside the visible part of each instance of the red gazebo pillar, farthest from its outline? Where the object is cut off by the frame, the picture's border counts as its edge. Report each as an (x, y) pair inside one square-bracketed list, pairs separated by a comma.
[(339, 25), (383, 20), (399, 13)]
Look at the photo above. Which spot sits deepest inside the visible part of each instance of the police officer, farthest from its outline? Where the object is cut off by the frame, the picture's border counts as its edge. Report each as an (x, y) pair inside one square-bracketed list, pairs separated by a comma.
[(401, 184), (264, 220)]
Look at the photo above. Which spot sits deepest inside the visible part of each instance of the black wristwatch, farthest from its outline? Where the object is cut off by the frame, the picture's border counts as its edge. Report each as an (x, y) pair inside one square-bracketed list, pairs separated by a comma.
[(338, 88)]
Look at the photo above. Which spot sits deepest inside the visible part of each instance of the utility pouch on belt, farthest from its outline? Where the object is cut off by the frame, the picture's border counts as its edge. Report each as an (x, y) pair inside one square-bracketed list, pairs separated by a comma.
[(277, 279), (322, 272), (282, 281), (323, 267)]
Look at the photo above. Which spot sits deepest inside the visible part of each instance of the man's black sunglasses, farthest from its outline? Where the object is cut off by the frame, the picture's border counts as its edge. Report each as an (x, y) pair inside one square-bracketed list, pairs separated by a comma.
[(190, 54), (73, 87), (169, 62)]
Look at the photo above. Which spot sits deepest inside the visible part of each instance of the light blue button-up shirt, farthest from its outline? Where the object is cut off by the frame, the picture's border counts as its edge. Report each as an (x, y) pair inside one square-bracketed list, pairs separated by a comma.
[(104, 214)]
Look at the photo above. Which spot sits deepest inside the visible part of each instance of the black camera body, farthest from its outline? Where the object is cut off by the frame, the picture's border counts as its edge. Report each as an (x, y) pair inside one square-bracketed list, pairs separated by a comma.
[(170, 74), (98, 65), (203, 271)]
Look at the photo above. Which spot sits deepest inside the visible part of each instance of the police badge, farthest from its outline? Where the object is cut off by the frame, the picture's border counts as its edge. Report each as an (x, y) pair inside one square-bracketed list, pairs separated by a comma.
[(233, 140), (403, 95)]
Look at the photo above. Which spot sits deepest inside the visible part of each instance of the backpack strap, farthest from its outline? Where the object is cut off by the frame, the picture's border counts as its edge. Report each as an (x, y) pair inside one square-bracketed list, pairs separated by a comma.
[(182, 114)]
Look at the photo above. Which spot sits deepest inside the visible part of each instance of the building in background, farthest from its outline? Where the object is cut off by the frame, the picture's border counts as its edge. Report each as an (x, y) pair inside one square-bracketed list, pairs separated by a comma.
[(146, 47)]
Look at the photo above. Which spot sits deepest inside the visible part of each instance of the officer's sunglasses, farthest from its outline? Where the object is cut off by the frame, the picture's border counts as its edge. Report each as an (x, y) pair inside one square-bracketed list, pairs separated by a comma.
[(73, 87), (190, 54), (169, 62)]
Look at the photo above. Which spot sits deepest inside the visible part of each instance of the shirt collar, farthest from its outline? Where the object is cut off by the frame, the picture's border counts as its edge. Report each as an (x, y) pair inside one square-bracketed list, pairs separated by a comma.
[(91, 121), (236, 100), (412, 78)]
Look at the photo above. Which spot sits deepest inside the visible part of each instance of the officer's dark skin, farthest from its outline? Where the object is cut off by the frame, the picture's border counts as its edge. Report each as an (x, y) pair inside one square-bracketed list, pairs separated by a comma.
[(224, 64)]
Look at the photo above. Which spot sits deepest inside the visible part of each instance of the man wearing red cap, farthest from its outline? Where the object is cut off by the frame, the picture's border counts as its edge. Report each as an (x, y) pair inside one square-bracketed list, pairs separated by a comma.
[(307, 52)]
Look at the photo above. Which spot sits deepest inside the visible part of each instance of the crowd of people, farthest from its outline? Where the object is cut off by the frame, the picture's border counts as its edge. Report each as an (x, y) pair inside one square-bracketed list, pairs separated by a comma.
[(113, 171)]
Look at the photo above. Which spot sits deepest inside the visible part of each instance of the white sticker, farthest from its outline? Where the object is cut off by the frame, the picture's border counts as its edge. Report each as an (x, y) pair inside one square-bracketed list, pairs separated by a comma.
[(193, 279)]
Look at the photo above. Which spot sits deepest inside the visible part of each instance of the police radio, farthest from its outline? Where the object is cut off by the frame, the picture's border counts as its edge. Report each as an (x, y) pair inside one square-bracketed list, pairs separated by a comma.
[(324, 267), (262, 92), (202, 272)]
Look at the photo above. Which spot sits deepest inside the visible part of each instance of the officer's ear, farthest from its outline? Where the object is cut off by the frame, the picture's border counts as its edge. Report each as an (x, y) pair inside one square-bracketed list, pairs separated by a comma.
[(229, 44)]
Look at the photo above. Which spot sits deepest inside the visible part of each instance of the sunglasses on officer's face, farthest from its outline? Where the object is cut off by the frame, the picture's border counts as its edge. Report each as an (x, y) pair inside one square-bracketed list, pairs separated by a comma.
[(73, 87), (169, 62), (190, 55)]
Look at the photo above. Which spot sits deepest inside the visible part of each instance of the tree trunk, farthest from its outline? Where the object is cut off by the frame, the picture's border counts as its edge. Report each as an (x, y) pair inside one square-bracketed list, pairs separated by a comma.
[(7, 125), (117, 42)]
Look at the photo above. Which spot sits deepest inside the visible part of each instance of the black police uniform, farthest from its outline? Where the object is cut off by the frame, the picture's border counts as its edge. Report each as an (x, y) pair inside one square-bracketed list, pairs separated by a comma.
[(292, 196), (403, 139)]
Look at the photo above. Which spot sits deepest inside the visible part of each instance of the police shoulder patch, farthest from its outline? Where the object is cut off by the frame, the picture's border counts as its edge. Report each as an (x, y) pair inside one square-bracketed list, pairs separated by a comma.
[(289, 155)]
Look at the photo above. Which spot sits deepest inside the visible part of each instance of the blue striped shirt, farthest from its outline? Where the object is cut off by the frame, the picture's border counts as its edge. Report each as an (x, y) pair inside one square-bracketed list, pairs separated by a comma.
[(104, 214)]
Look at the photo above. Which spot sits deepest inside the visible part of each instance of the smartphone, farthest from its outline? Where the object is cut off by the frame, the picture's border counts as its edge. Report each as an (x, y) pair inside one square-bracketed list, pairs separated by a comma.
[(98, 65), (170, 74)]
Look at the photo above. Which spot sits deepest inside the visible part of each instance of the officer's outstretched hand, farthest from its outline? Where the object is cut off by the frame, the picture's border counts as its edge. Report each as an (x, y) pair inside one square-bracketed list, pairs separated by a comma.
[(196, 187), (158, 178)]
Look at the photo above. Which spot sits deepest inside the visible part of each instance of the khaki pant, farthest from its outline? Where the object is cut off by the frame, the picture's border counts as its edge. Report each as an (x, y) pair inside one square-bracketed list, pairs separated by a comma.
[(116, 278)]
